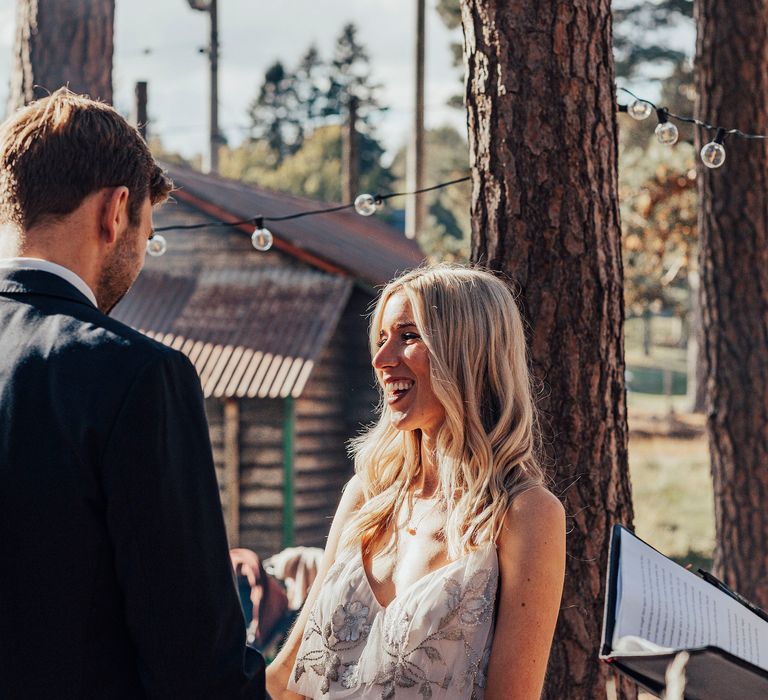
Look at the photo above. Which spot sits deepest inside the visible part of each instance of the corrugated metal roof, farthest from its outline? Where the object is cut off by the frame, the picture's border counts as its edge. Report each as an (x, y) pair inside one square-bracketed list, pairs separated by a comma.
[(248, 332), (366, 248)]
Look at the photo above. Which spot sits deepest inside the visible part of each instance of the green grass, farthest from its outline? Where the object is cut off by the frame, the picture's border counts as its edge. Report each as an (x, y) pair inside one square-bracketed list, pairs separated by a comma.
[(671, 483), (656, 404), (672, 495)]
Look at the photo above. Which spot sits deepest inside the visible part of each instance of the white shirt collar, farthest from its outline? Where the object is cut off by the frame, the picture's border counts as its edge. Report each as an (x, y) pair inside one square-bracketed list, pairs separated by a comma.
[(54, 268)]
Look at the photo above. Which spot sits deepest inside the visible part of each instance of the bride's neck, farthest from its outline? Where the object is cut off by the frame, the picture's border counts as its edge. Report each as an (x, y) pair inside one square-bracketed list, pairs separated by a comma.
[(428, 480)]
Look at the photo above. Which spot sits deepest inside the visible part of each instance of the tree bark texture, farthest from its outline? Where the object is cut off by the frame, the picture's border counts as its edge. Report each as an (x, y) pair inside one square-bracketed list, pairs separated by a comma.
[(543, 147), (732, 87), (62, 42)]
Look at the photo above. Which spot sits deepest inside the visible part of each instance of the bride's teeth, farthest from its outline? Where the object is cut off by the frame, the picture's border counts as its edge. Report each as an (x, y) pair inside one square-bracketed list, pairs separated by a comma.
[(401, 386)]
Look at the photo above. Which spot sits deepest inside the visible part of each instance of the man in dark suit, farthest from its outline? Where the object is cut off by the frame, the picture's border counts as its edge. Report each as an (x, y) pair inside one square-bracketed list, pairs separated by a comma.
[(115, 580)]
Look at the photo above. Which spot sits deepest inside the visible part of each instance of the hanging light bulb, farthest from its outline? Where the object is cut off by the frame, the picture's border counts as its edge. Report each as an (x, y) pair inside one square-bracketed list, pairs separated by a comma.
[(713, 153), (157, 245), (640, 109), (262, 238), (666, 131), (367, 204)]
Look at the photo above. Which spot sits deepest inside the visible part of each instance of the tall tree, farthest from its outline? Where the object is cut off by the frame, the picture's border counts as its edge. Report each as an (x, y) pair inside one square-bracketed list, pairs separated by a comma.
[(733, 264), (350, 74), (277, 115), (62, 42), (543, 144), (292, 102)]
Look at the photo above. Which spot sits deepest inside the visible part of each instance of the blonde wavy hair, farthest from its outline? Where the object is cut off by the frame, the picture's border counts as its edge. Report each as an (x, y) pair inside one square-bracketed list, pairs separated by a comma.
[(486, 449)]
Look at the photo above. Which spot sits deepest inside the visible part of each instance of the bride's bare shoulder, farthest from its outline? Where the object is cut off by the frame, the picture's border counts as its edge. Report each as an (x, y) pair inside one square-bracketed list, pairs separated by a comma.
[(352, 498), (536, 511)]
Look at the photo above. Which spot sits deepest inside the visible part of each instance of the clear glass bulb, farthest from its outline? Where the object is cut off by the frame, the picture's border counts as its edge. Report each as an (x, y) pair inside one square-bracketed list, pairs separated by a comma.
[(157, 245), (713, 154), (262, 239), (667, 133), (639, 110), (365, 205)]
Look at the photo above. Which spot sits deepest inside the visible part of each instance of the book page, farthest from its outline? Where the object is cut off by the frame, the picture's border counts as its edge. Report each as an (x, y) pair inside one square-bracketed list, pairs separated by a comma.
[(661, 602)]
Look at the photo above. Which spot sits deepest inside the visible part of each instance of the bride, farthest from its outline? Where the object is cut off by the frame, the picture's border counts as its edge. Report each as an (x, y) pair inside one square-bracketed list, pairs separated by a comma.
[(444, 566)]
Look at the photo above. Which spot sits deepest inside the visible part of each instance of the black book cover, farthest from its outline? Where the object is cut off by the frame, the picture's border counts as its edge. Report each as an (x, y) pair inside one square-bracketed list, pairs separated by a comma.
[(711, 673)]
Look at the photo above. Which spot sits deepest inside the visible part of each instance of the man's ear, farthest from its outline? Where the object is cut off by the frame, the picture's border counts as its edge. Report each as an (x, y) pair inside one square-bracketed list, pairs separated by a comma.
[(114, 213)]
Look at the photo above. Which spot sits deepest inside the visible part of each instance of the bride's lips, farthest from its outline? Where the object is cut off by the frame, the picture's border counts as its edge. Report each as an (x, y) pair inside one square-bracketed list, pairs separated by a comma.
[(397, 387)]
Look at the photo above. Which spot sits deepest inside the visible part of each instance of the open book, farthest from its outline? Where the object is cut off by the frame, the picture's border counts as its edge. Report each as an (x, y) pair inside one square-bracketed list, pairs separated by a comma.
[(654, 608)]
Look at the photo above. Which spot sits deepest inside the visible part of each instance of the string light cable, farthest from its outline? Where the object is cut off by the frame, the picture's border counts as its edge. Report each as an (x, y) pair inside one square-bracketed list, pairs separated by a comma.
[(262, 238), (712, 154)]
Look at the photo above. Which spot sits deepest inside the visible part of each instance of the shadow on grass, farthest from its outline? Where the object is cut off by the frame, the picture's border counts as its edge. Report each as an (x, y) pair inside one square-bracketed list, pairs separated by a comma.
[(698, 560)]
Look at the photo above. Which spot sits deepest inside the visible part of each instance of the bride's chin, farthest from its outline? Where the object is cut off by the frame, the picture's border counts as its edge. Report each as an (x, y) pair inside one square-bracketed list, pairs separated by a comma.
[(399, 421)]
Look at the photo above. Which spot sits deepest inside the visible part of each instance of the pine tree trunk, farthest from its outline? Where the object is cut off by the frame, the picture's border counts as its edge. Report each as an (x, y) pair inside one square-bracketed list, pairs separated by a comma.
[(542, 129), (732, 87), (62, 42)]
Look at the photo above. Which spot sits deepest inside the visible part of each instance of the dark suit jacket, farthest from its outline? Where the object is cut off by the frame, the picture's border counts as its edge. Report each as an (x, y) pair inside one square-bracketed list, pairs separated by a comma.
[(115, 580)]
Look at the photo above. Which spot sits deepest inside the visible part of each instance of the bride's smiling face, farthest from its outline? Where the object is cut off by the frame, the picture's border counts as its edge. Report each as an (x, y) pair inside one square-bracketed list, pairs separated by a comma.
[(402, 368)]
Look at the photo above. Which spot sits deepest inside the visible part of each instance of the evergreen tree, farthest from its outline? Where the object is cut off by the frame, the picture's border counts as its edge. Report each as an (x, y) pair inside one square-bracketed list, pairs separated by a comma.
[(276, 113), (291, 103), (445, 236), (349, 74), (309, 81), (293, 147)]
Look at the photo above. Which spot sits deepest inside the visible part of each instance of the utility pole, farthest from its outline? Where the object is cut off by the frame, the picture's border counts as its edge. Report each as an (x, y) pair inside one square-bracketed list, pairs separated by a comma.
[(215, 140), (349, 154), (141, 108), (416, 205)]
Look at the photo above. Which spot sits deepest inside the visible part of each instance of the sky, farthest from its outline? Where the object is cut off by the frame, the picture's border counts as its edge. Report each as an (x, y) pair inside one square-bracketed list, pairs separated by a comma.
[(253, 34)]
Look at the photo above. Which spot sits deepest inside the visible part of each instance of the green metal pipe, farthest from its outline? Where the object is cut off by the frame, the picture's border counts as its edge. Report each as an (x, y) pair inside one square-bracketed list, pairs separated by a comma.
[(289, 428)]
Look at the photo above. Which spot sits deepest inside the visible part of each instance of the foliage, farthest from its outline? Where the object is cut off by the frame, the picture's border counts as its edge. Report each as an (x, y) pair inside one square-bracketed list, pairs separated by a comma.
[(296, 144), (160, 152), (672, 492), (313, 171), (292, 102), (447, 230), (450, 13), (349, 74), (640, 36), (657, 188), (657, 192), (276, 114)]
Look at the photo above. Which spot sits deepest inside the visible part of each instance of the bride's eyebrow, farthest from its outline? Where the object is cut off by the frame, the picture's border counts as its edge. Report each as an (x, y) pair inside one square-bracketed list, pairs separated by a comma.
[(398, 326)]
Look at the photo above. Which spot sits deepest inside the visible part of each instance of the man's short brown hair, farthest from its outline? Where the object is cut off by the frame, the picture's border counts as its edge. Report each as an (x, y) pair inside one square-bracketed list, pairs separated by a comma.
[(58, 150)]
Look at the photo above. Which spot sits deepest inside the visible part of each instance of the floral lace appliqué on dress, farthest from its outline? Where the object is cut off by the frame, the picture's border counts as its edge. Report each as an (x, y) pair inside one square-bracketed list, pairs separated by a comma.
[(432, 641)]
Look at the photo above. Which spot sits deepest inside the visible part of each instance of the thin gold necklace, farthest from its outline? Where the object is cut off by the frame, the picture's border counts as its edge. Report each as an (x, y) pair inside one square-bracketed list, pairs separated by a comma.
[(412, 530)]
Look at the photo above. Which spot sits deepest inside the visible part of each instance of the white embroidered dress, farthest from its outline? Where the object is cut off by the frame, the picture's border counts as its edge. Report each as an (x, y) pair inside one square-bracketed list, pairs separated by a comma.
[(432, 641)]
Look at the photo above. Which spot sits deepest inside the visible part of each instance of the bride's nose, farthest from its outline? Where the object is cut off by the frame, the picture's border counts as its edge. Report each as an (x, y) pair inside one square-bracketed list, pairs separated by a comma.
[(386, 356)]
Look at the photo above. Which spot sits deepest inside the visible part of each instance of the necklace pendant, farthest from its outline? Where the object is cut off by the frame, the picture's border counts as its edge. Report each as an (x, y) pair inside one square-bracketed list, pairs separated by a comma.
[(411, 530)]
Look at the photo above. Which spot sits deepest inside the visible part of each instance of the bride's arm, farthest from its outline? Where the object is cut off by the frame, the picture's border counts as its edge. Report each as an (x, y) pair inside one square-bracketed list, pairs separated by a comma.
[(531, 551), (278, 672)]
